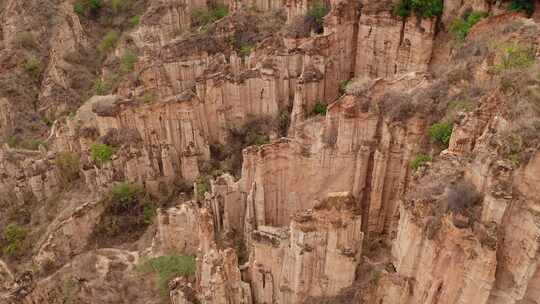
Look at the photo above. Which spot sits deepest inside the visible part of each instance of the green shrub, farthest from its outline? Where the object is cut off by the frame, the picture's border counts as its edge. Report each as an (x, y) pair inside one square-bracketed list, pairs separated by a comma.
[(127, 62), (108, 42), (167, 268), (220, 11), (316, 15), (82, 7), (101, 153), (419, 161), (68, 165), (255, 131), (423, 8), (32, 66), (440, 132), (526, 6), (135, 20), (460, 27), (78, 8), (203, 16), (343, 85), (14, 235), (516, 56), (128, 211), (125, 194), (105, 86), (94, 5), (245, 50), (203, 186), (319, 109)]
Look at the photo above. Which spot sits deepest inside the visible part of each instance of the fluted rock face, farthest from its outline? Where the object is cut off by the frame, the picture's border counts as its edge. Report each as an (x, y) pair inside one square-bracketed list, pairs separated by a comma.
[(176, 231), (317, 257), (163, 21), (334, 212), (427, 261), (218, 278), (162, 141), (27, 175), (517, 269), (389, 46), (226, 206), (356, 151), (493, 242)]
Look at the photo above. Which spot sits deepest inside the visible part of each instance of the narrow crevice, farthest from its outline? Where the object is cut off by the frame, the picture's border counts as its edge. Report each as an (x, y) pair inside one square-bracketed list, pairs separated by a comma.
[(365, 201)]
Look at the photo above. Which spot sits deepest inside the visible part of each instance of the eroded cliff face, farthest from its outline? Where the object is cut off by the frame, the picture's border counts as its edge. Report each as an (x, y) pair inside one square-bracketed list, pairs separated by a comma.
[(396, 162), (316, 257)]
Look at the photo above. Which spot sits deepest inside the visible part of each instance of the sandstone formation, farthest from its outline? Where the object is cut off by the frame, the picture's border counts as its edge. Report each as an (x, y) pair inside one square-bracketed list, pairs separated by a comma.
[(258, 152)]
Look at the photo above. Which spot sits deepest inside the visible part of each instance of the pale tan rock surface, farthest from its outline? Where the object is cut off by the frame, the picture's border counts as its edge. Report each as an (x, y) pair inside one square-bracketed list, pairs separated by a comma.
[(330, 207)]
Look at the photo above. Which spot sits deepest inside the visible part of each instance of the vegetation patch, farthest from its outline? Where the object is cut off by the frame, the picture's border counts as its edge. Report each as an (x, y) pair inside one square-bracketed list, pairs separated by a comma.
[(203, 17), (202, 186), (521, 88), (228, 158), (440, 133), (135, 20), (68, 166), (106, 85), (118, 5), (32, 66), (315, 16), (128, 211), (101, 153), (516, 56), (312, 22), (108, 42), (525, 6), (319, 109), (284, 121), (25, 40), (127, 62), (423, 8), (29, 143), (461, 26), (462, 196), (14, 236), (87, 7), (461, 105), (343, 85), (245, 50), (167, 268), (419, 161)]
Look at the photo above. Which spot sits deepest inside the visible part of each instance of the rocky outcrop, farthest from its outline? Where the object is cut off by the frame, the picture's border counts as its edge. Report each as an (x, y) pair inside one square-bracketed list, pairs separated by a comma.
[(218, 278), (69, 234), (105, 275), (356, 151), (28, 174), (164, 20), (389, 46), (317, 257), (175, 231)]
